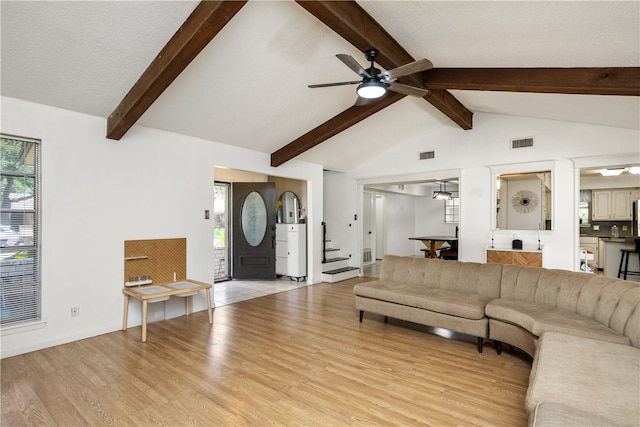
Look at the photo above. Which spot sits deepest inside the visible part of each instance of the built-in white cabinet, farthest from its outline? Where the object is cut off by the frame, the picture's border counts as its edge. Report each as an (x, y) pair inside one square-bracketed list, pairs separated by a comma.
[(609, 205), (291, 250)]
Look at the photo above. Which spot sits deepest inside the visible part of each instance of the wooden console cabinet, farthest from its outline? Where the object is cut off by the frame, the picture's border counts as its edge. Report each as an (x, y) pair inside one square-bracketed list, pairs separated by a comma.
[(527, 258)]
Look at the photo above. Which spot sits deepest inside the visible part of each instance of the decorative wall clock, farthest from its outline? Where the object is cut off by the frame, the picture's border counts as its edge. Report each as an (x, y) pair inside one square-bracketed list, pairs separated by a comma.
[(524, 201)]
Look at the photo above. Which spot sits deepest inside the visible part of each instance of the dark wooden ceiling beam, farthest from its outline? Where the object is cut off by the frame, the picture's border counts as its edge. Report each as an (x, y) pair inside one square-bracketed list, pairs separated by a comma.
[(330, 128), (204, 23), (588, 81)]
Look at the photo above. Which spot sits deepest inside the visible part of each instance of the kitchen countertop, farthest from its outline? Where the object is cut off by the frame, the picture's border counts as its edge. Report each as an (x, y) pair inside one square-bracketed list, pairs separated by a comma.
[(605, 236), (627, 240)]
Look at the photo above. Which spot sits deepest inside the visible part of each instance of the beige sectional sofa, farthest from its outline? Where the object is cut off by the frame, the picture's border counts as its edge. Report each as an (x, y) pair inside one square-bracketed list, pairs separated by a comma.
[(583, 330)]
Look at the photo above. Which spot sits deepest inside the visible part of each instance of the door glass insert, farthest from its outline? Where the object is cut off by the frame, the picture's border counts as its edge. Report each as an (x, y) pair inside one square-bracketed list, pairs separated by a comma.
[(254, 218)]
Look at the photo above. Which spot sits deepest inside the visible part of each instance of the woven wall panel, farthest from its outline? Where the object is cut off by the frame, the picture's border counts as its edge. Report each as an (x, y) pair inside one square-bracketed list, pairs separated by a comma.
[(164, 257)]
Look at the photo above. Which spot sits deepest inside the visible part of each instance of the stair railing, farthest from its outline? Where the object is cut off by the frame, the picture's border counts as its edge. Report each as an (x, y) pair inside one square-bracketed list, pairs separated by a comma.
[(324, 242)]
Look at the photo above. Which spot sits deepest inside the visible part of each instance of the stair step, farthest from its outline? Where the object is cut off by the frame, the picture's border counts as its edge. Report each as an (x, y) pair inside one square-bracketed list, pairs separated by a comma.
[(334, 260), (340, 270), (339, 274)]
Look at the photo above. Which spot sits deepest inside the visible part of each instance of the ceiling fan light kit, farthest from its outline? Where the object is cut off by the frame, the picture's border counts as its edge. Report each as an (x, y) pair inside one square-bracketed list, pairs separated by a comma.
[(371, 90)]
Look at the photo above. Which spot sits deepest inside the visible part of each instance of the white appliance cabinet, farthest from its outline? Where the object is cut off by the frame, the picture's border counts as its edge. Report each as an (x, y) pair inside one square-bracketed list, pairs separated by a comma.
[(611, 205), (291, 250)]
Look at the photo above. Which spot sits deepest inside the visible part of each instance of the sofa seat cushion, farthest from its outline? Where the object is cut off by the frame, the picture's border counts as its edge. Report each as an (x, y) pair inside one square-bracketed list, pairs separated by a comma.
[(538, 319), (460, 304), (550, 414), (585, 376)]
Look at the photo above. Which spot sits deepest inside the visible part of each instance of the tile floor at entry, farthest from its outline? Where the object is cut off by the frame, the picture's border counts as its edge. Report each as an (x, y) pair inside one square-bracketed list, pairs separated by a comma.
[(233, 291)]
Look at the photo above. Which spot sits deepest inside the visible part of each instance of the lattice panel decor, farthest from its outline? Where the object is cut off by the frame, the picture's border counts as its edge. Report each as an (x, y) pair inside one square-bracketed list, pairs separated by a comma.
[(158, 258)]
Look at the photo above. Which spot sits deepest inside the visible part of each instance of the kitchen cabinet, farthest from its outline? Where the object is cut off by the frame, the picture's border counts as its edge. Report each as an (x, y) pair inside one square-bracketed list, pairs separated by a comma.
[(591, 244), (609, 205), (527, 258), (291, 250)]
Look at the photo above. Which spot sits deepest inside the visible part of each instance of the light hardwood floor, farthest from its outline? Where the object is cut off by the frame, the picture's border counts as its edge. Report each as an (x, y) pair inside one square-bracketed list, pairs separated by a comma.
[(294, 358)]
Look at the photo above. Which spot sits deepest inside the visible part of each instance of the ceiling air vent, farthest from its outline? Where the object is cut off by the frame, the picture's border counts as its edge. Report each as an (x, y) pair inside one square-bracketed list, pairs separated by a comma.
[(427, 155), (521, 143)]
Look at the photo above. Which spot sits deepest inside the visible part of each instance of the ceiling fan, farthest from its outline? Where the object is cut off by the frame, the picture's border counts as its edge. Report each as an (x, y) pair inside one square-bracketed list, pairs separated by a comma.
[(375, 82)]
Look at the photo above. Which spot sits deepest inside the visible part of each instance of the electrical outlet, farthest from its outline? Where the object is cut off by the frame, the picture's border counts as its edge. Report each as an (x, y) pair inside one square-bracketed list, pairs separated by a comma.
[(75, 311), (624, 228)]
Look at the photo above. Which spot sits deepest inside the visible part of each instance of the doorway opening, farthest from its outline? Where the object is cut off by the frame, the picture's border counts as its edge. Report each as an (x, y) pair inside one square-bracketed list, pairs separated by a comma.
[(395, 210), (228, 216)]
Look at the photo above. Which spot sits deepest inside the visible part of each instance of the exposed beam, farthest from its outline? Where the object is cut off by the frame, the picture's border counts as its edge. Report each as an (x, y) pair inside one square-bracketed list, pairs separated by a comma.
[(330, 128), (588, 81), (204, 23), (357, 27)]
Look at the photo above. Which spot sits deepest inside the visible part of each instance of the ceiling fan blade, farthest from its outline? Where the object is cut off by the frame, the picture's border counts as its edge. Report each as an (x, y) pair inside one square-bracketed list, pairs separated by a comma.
[(335, 84), (410, 68), (353, 64), (407, 90)]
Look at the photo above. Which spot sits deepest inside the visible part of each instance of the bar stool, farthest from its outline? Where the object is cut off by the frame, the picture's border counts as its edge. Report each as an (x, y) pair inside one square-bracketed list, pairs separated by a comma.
[(625, 259)]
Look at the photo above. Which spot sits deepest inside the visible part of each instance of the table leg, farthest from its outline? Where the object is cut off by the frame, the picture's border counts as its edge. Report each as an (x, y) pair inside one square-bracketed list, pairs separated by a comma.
[(432, 248), (209, 305), (144, 320), (187, 300), (126, 312)]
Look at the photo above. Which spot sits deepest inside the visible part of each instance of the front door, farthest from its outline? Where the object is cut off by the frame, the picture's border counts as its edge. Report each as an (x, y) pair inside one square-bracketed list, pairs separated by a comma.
[(254, 254)]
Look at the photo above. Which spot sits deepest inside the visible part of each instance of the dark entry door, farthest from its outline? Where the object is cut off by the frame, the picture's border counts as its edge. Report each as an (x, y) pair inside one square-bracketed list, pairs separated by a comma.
[(254, 254)]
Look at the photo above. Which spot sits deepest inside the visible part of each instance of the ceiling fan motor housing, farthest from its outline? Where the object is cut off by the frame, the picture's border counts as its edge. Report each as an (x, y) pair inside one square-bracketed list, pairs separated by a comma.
[(371, 54)]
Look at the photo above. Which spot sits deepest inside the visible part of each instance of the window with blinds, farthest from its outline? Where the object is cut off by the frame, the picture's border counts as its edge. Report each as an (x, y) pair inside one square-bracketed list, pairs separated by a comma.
[(19, 230)]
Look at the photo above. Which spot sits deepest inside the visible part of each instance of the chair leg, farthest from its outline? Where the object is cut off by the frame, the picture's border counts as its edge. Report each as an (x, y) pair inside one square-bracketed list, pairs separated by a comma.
[(626, 266), (480, 344), (620, 267), (386, 319), (361, 315), (498, 346)]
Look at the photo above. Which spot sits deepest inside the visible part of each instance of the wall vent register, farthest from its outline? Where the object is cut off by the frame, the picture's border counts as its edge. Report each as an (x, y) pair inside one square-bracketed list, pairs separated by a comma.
[(427, 155), (521, 143)]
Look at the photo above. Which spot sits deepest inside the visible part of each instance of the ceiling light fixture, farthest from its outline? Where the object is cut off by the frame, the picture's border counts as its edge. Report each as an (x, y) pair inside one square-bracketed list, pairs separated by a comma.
[(611, 172), (442, 195), (635, 170), (371, 90)]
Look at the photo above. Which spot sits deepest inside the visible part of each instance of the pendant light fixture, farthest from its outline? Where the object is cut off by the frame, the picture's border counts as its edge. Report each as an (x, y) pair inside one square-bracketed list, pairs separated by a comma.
[(442, 195)]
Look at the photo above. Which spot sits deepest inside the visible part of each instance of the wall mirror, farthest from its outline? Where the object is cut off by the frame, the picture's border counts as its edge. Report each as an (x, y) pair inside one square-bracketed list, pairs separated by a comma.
[(288, 208), (523, 200)]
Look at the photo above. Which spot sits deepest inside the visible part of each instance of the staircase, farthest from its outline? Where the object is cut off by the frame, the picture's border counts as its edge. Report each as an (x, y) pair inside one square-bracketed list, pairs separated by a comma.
[(335, 267)]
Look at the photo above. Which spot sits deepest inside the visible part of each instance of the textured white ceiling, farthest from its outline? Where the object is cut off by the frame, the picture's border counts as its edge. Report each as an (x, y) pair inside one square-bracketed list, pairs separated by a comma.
[(249, 85)]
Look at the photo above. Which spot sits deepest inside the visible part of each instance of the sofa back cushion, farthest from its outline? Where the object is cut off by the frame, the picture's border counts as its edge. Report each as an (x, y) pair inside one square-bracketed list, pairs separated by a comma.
[(613, 302), (471, 277)]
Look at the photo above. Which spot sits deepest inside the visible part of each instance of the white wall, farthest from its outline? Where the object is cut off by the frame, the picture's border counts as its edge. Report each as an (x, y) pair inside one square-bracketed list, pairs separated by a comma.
[(562, 144), (97, 193), (341, 196), (400, 213)]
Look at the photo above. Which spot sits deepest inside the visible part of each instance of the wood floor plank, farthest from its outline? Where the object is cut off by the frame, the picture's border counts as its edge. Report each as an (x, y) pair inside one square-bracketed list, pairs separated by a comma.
[(299, 357)]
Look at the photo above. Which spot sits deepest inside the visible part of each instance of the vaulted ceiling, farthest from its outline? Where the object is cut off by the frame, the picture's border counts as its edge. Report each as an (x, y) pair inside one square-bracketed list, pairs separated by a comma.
[(248, 85)]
